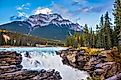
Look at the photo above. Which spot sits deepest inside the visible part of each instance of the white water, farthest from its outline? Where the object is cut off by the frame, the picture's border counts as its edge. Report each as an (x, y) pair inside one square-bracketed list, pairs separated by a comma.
[(46, 58)]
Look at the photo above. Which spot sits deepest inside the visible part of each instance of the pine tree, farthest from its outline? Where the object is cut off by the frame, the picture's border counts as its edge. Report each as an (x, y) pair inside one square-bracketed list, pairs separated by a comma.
[(101, 31), (81, 40), (117, 17), (91, 37), (70, 41), (93, 40), (107, 32), (86, 36), (98, 37), (0, 38)]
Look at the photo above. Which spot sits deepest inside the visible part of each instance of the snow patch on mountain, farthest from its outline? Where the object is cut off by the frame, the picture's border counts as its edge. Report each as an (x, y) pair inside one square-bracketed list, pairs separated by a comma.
[(56, 19)]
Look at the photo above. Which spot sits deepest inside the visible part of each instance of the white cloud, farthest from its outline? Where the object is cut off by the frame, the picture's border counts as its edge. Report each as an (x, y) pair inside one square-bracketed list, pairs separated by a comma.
[(19, 8), (24, 6), (65, 12), (22, 14), (87, 9), (43, 11)]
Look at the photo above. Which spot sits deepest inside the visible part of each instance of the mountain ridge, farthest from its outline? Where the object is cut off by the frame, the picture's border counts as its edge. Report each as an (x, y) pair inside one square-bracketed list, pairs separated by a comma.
[(53, 25)]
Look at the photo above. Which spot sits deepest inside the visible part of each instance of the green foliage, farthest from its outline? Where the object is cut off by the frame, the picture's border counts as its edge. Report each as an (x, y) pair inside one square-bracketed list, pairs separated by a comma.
[(114, 48), (93, 78), (75, 41), (107, 32), (87, 39), (117, 19), (17, 39), (102, 38), (104, 33), (86, 36), (99, 33)]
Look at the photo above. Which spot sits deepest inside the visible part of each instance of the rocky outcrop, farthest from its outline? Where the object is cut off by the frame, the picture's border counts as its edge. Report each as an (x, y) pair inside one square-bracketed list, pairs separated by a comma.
[(102, 65), (11, 69)]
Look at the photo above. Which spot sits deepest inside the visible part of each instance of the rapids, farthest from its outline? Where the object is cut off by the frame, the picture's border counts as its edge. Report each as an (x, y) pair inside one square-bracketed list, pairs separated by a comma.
[(46, 58)]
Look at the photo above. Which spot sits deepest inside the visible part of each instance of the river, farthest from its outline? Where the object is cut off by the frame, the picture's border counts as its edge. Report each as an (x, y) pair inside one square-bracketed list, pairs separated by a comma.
[(46, 58)]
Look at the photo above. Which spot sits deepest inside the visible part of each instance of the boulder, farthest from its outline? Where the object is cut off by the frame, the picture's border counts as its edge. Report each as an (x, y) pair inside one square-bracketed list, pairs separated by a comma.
[(9, 69), (31, 75), (10, 58), (115, 77), (102, 65)]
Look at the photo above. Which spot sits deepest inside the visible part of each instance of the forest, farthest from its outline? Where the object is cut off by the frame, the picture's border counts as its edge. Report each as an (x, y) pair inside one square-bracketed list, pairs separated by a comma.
[(18, 39), (106, 35)]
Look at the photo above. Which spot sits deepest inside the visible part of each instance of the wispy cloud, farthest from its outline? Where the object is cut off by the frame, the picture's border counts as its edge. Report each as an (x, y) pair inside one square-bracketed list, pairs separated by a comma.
[(42, 11), (96, 6), (21, 15), (92, 9), (78, 2), (65, 12), (23, 7)]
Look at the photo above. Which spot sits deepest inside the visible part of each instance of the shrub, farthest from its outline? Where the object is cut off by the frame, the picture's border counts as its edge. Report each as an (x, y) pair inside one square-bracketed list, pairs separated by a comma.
[(92, 51), (114, 48)]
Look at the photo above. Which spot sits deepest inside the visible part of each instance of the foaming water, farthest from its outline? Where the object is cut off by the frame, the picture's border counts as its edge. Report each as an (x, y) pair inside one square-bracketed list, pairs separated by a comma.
[(46, 58)]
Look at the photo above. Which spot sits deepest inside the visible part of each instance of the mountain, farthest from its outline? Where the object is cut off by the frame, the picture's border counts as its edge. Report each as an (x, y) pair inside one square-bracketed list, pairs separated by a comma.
[(16, 26), (52, 26)]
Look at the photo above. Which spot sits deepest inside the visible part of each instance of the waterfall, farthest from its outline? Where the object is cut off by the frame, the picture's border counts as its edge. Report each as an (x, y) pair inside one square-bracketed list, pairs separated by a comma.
[(46, 58)]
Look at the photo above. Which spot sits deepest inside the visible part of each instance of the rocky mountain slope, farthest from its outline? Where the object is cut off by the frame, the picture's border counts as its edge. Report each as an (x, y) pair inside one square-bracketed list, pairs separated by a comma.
[(52, 26)]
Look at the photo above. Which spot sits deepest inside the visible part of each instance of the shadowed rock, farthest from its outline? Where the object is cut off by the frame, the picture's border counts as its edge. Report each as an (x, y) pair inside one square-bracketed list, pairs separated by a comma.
[(102, 65), (11, 69)]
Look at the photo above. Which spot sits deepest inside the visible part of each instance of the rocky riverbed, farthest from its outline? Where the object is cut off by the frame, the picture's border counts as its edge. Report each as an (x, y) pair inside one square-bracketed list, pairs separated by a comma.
[(105, 65), (11, 69)]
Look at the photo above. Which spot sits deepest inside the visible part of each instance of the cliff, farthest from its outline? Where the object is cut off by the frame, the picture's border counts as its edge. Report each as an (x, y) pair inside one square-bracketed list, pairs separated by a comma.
[(101, 66)]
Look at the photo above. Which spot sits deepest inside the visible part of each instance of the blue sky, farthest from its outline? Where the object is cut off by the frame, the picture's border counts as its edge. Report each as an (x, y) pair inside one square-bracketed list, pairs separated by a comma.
[(81, 11)]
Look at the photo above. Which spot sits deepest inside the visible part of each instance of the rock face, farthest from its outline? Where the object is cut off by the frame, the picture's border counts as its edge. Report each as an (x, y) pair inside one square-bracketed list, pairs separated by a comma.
[(102, 65), (11, 69)]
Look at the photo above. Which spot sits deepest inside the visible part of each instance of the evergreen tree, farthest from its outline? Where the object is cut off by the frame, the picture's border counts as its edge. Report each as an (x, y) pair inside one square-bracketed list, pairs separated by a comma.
[(101, 32), (0, 38), (98, 37), (86, 36), (91, 38), (107, 32), (81, 40), (117, 17)]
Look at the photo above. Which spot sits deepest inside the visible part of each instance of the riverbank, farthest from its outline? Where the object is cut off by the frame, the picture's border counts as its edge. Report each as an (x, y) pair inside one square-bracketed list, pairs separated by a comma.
[(101, 65)]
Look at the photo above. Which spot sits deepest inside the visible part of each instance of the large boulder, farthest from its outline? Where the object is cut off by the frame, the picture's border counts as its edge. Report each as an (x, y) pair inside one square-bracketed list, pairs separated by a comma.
[(10, 58), (103, 65), (32, 75)]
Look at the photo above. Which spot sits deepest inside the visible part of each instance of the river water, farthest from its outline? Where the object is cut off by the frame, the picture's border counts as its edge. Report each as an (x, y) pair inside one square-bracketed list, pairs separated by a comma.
[(46, 58)]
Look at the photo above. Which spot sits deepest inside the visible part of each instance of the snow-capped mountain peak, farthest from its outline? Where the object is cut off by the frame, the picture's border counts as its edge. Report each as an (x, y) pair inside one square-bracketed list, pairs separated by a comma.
[(47, 19)]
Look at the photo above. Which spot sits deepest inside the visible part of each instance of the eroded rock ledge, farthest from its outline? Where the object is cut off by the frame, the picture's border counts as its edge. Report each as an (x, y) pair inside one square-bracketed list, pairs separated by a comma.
[(11, 69), (105, 65)]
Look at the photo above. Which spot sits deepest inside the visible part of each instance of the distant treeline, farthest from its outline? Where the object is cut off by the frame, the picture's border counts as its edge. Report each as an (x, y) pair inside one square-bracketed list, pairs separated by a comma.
[(105, 36), (17, 39), (101, 38)]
